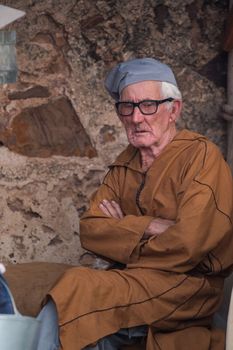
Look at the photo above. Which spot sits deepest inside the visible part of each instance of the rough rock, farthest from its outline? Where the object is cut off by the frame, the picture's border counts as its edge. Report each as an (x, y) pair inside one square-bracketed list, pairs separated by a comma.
[(46, 130), (58, 115)]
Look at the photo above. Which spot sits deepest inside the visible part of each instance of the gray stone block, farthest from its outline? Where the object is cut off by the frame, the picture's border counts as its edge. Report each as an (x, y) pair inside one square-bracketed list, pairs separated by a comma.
[(8, 65)]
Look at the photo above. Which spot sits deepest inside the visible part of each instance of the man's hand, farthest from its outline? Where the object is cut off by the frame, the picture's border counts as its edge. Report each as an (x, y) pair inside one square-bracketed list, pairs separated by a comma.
[(111, 209), (156, 227)]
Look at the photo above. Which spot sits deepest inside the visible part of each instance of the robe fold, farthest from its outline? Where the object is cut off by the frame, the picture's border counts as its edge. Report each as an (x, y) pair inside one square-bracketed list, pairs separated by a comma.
[(172, 282)]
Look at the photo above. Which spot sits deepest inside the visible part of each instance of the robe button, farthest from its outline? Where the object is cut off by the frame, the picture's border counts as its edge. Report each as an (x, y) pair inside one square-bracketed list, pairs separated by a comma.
[(143, 210)]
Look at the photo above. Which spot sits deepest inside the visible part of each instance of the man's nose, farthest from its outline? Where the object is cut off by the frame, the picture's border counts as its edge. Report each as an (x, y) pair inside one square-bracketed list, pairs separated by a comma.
[(137, 116)]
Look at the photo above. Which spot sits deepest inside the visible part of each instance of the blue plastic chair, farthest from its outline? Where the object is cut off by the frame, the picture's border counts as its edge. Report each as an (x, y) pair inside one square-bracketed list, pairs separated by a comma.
[(6, 306)]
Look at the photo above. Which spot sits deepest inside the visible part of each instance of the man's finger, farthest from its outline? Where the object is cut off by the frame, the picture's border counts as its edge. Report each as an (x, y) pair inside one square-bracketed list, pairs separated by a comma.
[(111, 209), (108, 209), (118, 209), (104, 209)]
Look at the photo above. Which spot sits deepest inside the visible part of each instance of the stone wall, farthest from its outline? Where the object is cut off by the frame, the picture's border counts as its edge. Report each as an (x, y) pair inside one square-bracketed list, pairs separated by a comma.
[(58, 128)]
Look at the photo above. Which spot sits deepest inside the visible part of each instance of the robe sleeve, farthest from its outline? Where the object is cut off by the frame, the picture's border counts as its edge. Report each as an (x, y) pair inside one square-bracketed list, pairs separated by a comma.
[(111, 238), (202, 236)]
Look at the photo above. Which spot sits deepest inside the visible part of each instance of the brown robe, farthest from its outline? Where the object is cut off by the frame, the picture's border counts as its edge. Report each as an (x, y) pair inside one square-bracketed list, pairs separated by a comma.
[(172, 282)]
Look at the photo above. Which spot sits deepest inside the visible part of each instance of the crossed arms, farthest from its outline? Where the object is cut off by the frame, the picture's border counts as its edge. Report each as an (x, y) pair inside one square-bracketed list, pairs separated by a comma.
[(155, 227)]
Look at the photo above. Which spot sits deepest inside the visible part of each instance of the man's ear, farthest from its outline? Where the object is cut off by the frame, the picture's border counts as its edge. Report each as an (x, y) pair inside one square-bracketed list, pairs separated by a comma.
[(175, 110)]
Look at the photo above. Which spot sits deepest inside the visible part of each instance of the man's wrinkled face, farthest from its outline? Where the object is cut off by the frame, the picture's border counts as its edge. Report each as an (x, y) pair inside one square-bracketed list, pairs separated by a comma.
[(146, 130)]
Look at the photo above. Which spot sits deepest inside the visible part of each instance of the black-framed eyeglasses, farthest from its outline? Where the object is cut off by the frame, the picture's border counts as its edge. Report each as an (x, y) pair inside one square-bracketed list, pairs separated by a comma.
[(146, 107)]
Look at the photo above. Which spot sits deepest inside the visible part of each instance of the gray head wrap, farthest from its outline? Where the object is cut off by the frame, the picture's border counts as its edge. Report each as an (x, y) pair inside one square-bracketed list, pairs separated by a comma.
[(134, 71)]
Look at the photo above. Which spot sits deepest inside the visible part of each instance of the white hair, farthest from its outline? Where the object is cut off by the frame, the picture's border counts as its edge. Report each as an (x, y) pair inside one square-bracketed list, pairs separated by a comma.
[(170, 90)]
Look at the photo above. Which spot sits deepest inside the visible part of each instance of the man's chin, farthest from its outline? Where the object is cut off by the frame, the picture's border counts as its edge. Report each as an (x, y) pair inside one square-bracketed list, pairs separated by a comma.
[(140, 143)]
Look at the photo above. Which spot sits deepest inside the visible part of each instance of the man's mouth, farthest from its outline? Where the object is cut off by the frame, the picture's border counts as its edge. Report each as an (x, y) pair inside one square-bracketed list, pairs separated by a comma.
[(140, 131)]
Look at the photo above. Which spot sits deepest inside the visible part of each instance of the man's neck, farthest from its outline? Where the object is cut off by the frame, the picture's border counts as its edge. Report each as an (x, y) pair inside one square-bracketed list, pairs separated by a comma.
[(149, 154)]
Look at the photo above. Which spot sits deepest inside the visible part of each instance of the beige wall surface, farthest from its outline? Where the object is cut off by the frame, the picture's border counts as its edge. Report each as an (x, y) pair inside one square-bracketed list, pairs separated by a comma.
[(58, 128)]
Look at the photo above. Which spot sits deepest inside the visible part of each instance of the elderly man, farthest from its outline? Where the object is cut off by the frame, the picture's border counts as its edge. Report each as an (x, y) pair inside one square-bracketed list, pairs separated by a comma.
[(164, 214)]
